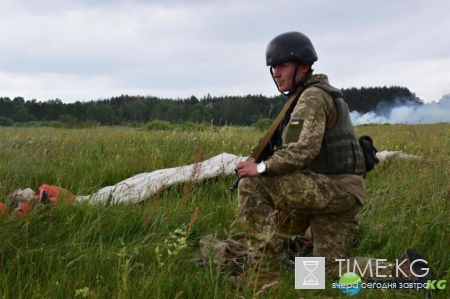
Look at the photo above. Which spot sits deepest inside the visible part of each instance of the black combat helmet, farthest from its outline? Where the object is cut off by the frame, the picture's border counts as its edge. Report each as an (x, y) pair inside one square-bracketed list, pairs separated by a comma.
[(290, 46)]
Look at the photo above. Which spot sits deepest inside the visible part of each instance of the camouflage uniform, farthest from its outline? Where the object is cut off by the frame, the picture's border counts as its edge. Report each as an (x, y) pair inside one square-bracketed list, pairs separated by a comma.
[(329, 202)]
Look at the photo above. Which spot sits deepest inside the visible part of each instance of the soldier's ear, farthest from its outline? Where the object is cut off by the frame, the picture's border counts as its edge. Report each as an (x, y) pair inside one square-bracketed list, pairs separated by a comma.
[(305, 68)]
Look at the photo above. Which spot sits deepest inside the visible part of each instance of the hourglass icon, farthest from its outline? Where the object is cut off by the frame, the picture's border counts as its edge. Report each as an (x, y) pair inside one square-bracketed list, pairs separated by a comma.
[(310, 279)]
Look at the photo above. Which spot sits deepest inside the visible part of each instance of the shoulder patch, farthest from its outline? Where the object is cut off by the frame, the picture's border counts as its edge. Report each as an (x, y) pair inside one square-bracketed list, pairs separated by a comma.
[(296, 121)]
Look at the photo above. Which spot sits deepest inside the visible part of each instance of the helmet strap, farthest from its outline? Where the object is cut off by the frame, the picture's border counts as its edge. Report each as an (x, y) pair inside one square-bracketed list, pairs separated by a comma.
[(294, 85)]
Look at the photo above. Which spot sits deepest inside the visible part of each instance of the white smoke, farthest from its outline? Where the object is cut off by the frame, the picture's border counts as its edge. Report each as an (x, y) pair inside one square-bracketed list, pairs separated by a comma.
[(435, 112)]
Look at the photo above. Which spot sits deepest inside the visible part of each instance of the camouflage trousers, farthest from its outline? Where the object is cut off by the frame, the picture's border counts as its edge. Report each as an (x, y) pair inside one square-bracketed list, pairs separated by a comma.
[(308, 196)]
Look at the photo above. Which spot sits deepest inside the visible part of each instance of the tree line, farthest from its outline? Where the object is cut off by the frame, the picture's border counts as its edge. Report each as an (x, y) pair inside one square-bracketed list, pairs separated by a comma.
[(231, 110)]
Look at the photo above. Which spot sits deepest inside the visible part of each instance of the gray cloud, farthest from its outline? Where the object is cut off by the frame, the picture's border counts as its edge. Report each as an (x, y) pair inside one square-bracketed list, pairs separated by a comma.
[(82, 50)]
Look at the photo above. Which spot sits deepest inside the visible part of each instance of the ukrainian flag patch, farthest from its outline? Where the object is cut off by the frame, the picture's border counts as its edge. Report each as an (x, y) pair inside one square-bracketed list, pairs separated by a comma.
[(296, 121)]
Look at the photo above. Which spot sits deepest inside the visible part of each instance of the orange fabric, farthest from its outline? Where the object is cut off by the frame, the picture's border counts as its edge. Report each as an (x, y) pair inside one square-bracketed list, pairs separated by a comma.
[(3, 209), (23, 209), (54, 193)]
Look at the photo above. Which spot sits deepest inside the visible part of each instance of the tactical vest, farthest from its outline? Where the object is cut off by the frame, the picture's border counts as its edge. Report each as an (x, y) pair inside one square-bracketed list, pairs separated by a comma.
[(340, 152)]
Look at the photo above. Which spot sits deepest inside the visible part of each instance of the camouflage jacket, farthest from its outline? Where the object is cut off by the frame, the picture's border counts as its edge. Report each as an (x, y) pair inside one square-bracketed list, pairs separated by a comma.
[(315, 109), (317, 112)]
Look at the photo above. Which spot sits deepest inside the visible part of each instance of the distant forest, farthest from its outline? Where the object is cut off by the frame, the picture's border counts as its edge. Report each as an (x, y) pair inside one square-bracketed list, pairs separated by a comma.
[(226, 110)]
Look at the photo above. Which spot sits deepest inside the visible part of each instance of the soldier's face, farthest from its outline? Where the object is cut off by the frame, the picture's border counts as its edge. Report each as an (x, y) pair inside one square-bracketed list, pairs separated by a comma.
[(283, 73)]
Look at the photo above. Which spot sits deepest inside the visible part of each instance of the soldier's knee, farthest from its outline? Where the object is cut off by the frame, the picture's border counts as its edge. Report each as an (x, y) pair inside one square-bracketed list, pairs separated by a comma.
[(247, 183)]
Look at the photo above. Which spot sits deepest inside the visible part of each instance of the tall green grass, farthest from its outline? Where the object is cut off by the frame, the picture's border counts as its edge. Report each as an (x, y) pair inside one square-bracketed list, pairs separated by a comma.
[(136, 251)]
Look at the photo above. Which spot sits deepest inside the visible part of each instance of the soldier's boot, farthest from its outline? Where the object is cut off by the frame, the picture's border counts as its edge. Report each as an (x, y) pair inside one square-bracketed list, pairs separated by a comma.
[(262, 269), (412, 267)]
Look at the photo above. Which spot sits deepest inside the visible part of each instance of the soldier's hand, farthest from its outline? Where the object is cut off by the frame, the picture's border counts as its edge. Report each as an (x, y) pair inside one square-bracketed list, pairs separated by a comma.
[(246, 169)]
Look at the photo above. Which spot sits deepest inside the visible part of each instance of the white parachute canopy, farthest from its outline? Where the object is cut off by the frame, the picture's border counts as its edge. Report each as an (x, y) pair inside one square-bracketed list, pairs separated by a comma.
[(142, 186)]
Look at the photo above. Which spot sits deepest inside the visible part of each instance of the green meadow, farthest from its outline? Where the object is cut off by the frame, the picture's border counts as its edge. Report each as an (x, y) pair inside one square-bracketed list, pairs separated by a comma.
[(81, 250)]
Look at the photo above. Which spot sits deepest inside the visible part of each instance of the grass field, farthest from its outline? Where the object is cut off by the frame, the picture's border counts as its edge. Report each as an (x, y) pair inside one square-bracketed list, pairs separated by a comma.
[(123, 251)]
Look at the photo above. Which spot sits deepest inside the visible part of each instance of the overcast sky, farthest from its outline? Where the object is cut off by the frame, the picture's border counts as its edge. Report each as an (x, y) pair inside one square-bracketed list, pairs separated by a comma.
[(86, 50)]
